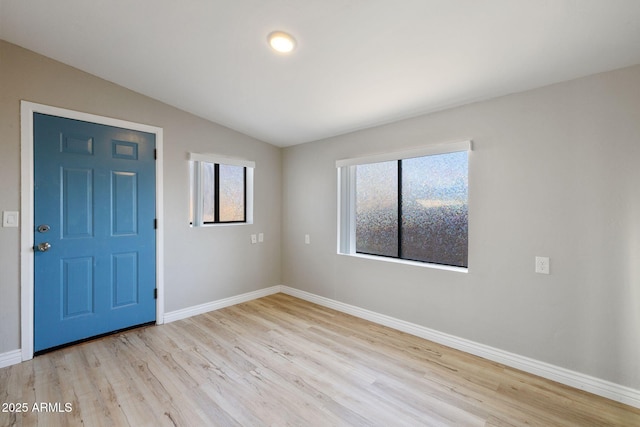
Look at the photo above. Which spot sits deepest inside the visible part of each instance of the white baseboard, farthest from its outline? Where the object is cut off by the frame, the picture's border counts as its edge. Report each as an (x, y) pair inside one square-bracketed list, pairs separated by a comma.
[(216, 305), (9, 358), (574, 379), (15, 356)]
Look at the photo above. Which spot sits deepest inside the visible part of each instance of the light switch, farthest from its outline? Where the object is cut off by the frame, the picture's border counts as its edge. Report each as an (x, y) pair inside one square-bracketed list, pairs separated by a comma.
[(260, 237), (307, 239), (10, 219), (254, 239)]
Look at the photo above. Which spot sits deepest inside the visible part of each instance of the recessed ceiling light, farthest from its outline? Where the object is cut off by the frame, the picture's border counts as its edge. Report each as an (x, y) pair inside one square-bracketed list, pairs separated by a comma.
[(281, 42)]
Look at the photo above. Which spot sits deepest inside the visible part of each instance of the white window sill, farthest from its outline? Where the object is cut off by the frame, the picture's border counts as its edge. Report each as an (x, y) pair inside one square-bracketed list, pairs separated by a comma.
[(407, 262), (222, 224)]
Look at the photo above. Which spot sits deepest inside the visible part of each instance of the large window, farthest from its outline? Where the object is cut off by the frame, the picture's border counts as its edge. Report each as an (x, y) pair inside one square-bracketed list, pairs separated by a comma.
[(221, 190), (413, 207)]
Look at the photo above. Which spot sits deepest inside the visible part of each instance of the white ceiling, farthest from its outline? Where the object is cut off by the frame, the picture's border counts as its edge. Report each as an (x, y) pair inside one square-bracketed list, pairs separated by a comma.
[(358, 63)]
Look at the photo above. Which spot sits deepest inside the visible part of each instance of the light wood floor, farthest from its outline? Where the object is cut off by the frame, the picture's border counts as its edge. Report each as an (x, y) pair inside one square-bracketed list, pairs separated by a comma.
[(282, 361)]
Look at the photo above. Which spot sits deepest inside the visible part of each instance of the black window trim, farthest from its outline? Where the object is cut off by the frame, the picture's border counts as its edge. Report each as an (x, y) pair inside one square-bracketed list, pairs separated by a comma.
[(196, 179), (216, 197)]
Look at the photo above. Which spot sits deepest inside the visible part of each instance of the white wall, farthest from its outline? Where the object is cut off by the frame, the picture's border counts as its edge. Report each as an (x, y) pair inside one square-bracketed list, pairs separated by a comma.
[(554, 172), (201, 264)]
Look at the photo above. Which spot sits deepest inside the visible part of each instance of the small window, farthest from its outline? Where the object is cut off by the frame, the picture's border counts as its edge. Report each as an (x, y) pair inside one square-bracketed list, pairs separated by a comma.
[(221, 190), (408, 208)]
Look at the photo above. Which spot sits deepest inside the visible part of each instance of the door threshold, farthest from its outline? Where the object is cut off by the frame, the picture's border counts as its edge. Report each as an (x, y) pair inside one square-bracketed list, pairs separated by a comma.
[(95, 337)]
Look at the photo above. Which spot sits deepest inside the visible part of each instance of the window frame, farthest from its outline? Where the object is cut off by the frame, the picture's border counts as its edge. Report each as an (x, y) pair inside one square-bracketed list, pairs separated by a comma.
[(346, 179), (196, 172)]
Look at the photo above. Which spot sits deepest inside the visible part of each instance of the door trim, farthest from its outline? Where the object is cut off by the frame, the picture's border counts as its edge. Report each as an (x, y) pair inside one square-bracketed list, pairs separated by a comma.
[(27, 109)]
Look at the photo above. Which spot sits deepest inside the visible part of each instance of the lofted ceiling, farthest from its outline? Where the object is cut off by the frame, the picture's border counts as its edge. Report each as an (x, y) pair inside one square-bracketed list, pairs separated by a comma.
[(358, 63)]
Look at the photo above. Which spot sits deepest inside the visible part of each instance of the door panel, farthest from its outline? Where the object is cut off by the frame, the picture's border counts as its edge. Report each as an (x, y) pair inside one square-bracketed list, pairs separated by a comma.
[(95, 189), (77, 287), (77, 203)]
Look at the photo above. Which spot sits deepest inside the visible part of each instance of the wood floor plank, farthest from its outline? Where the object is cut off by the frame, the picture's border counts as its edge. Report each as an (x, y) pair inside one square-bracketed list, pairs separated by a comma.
[(281, 361)]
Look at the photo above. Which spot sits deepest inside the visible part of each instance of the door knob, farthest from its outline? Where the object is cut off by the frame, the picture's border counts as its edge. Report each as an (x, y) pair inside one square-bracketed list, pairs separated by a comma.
[(43, 247)]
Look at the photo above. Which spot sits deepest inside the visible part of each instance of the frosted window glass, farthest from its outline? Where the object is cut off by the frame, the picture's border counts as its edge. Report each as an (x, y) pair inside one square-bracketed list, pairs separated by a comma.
[(220, 193), (231, 193), (377, 208), (208, 192), (434, 209)]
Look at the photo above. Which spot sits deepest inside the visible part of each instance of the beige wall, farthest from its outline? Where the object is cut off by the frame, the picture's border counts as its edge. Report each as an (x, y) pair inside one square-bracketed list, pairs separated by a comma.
[(201, 264), (554, 172)]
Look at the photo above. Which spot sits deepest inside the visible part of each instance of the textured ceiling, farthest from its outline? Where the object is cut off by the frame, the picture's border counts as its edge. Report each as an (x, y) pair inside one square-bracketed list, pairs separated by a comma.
[(358, 63)]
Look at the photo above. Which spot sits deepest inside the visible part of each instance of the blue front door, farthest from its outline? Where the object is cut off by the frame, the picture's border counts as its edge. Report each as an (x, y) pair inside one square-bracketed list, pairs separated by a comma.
[(95, 247)]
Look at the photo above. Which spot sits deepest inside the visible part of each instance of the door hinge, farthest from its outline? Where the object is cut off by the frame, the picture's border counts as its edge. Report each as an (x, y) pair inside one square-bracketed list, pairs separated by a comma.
[(155, 293), (155, 154), (155, 224)]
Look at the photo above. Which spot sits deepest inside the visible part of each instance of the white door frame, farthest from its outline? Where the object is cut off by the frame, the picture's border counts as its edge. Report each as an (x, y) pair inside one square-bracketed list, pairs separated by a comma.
[(27, 109)]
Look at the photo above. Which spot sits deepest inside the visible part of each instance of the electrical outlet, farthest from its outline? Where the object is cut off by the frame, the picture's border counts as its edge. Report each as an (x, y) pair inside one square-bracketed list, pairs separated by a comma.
[(254, 239), (542, 265)]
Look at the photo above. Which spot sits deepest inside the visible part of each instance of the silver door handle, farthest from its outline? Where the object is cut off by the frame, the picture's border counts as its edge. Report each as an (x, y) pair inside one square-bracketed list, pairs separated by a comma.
[(43, 247)]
